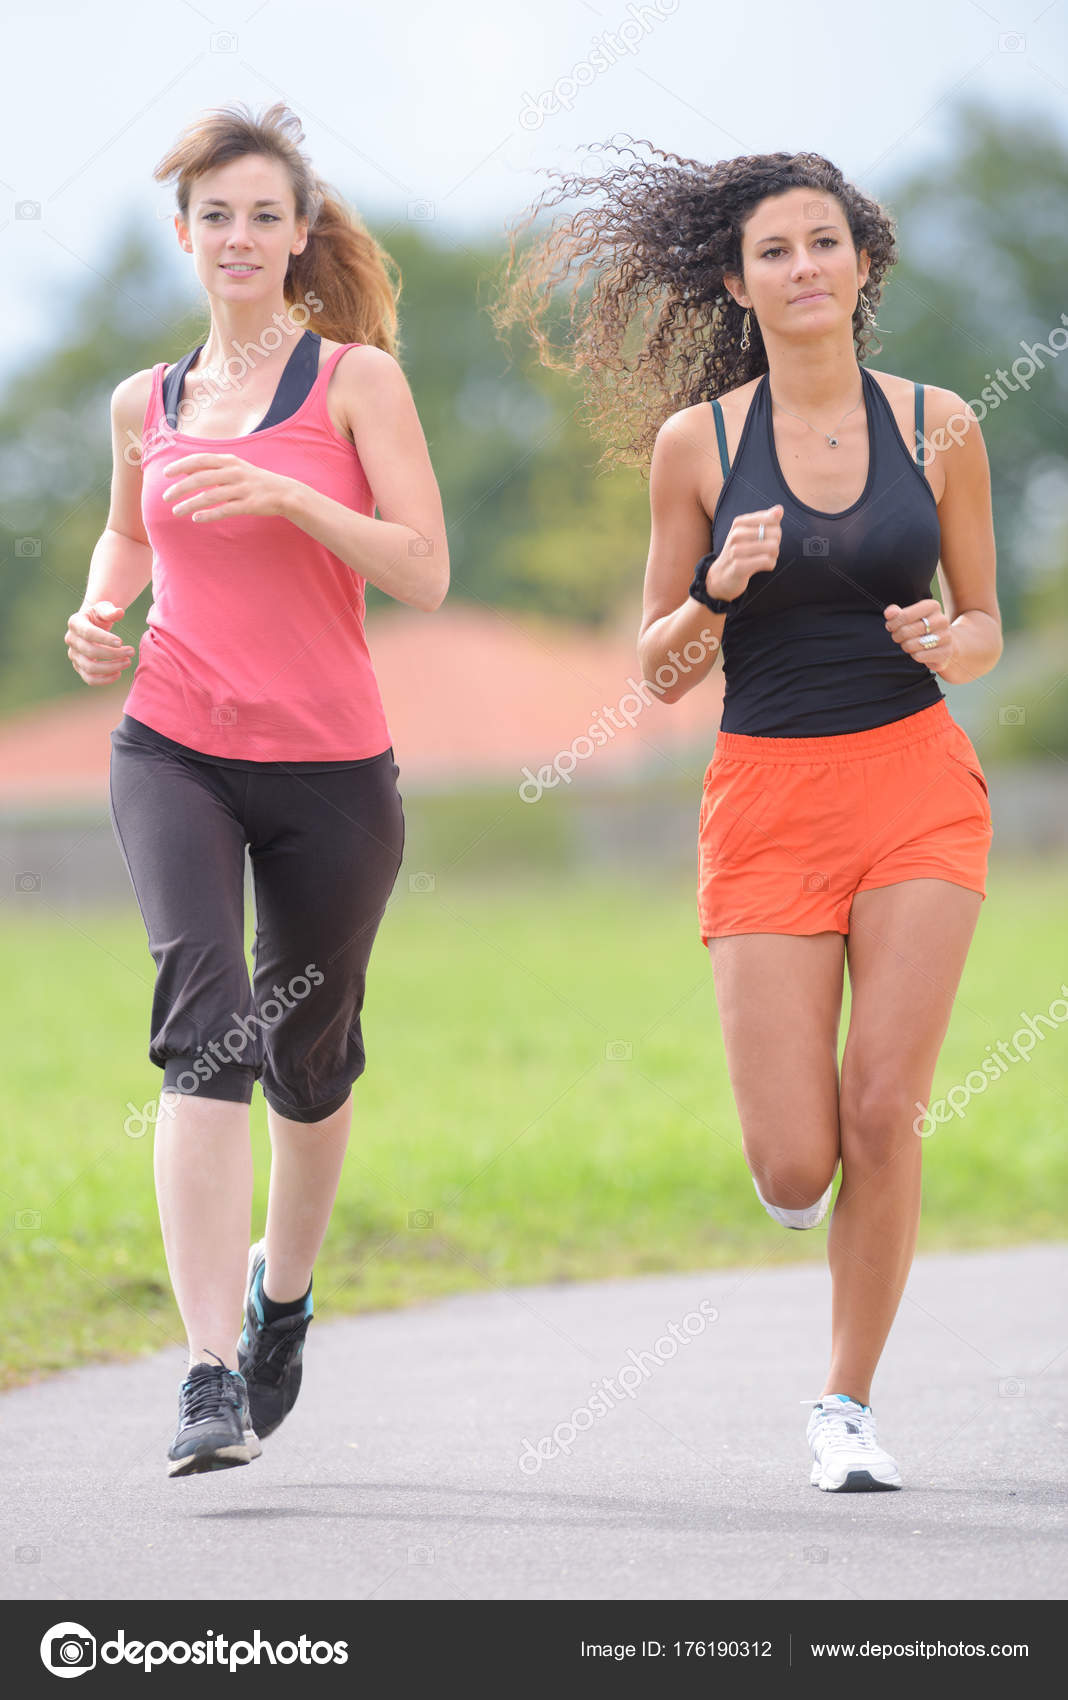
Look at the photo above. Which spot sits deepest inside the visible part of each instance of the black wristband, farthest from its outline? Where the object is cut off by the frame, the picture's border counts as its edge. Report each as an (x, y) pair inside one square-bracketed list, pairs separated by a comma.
[(718, 604)]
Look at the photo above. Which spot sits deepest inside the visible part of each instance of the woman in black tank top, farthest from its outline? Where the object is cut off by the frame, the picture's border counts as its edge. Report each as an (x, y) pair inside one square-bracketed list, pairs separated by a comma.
[(801, 506)]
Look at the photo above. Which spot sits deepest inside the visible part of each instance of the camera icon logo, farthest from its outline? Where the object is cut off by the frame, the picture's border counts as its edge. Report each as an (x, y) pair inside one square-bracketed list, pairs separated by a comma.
[(68, 1649), (815, 546)]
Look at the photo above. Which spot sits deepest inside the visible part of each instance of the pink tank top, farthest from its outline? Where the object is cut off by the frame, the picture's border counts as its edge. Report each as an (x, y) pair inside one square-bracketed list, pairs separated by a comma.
[(255, 642)]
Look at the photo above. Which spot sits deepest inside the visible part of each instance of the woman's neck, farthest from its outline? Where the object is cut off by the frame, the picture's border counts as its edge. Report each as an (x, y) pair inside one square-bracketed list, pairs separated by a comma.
[(819, 378), (226, 342)]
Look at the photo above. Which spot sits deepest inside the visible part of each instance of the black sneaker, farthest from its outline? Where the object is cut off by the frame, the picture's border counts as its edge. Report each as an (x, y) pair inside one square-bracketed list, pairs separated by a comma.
[(269, 1353), (214, 1430)]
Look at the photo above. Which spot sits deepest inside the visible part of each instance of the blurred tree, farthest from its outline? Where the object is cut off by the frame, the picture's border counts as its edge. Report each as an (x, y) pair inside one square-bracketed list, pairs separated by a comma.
[(984, 246)]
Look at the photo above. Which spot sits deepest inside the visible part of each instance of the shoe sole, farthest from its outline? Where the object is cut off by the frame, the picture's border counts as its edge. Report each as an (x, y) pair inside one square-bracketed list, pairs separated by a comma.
[(800, 1227), (216, 1457), (857, 1481), (254, 1252)]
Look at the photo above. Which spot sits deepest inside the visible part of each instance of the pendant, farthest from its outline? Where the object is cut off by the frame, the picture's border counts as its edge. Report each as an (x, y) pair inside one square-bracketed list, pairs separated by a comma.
[(832, 442)]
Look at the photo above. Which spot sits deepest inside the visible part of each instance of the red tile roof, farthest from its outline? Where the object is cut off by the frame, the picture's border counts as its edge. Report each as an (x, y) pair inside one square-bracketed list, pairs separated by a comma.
[(470, 694)]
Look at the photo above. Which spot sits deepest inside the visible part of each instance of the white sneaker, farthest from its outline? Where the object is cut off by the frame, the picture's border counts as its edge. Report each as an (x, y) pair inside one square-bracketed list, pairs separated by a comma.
[(808, 1218), (847, 1458)]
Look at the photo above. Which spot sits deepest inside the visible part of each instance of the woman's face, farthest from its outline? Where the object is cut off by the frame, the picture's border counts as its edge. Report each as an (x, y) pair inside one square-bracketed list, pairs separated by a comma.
[(242, 228), (798, 245)]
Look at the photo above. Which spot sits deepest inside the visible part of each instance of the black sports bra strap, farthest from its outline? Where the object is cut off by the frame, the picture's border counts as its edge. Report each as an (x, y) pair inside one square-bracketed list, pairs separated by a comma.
[(172, 386), (721, 437), (919, 424), (298, 376)]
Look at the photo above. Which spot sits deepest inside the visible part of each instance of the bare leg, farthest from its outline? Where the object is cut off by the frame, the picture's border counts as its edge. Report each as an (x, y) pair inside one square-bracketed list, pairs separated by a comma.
[(306, 1163), (780, 1000), (203, 1165), (906, 949)]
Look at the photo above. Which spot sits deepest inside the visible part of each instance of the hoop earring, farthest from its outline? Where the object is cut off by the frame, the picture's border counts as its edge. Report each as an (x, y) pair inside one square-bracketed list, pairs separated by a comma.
[(745, 331)]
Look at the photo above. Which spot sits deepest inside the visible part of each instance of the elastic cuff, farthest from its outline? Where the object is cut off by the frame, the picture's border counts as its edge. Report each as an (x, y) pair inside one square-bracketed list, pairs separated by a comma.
[(202, 1076), (317, 1113)]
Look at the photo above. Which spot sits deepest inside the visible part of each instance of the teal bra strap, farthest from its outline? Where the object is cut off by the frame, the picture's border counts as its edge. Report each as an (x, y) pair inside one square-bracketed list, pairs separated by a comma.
[(721, 437), (919, 423)]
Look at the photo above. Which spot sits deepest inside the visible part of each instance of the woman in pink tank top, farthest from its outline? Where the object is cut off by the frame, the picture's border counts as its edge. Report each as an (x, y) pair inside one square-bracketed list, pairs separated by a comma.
[(255, 719)]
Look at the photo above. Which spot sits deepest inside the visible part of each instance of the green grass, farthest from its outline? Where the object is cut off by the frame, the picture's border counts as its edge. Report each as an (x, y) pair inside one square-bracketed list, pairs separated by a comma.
[(491, 1103)]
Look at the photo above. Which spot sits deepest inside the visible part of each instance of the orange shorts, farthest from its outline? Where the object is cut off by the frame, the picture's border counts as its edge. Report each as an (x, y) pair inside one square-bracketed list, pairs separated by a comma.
[(791, 828)]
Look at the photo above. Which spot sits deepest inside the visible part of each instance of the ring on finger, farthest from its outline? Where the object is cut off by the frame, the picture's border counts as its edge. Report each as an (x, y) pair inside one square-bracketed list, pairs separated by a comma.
[(926, 622), (930, 641), (760, 532)]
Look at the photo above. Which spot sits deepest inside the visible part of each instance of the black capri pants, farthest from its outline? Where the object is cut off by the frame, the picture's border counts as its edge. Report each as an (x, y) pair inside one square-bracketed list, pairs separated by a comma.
[(325, 847)]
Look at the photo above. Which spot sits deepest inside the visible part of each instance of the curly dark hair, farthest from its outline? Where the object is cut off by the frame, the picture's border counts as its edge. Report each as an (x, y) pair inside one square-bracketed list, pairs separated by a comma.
[(661, 241)]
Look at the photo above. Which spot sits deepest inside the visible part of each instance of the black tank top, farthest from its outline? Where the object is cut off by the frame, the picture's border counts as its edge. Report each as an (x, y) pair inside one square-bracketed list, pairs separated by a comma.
[(806, 652), (294, 386)]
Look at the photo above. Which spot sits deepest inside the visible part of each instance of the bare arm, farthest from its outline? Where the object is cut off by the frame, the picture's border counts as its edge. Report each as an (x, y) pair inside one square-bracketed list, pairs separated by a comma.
[(121, 564), (969, 620), (679, 536), (967, 569), (676, 629)]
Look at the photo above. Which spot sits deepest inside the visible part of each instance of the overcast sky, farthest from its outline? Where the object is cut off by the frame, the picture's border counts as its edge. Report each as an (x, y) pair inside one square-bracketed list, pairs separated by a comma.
[(443, 112)]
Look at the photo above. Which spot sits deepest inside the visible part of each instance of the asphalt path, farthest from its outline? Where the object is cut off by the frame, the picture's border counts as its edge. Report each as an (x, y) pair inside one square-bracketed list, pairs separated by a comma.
[(638, 1439)]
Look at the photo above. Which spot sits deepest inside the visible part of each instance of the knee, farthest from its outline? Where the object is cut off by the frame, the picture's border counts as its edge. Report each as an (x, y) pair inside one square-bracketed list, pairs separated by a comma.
[(876, 1116)]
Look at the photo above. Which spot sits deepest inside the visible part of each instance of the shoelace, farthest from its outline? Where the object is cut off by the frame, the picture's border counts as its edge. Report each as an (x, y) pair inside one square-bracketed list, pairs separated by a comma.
[(280, 1347), (203, 1393), (850, 1428)]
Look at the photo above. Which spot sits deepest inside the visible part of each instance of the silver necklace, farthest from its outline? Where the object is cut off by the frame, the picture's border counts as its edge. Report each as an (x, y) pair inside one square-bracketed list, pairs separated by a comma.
[(832, 440)]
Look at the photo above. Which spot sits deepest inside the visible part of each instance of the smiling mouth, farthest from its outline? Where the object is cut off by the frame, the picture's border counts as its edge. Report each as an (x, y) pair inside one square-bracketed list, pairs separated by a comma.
[(238, 266)]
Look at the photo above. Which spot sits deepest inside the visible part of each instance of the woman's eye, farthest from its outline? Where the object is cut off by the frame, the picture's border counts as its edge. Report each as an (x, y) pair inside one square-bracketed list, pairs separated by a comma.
[(768, 252)]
